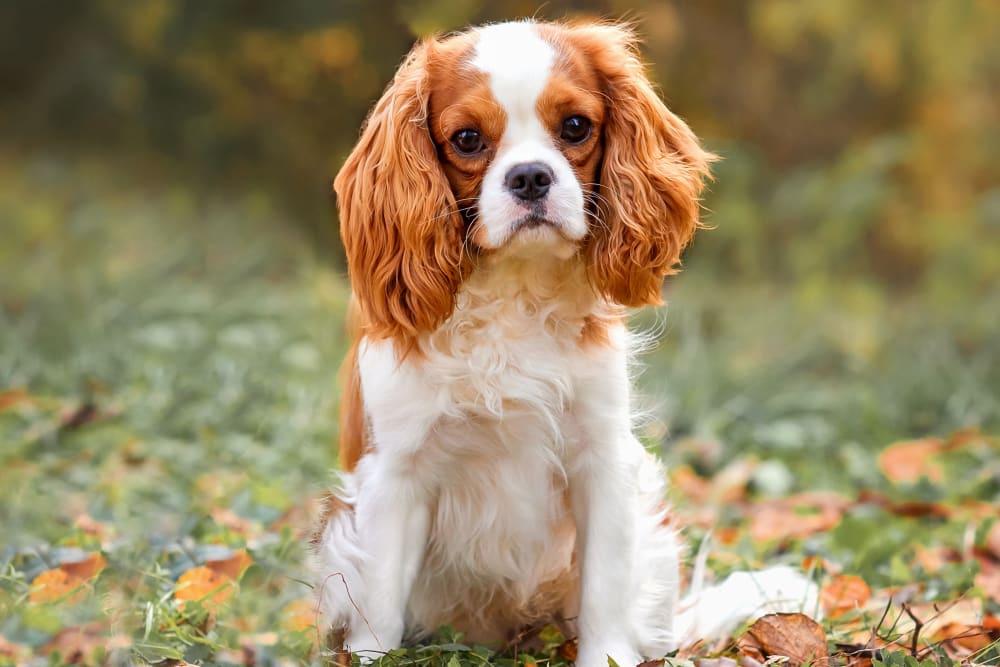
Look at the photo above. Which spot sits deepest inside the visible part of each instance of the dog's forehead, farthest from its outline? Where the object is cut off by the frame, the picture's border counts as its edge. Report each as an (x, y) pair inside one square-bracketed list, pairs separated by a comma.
[(518, 62)]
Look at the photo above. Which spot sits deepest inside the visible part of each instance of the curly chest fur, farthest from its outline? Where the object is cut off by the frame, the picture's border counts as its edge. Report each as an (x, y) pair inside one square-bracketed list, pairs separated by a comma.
[(502, 368)]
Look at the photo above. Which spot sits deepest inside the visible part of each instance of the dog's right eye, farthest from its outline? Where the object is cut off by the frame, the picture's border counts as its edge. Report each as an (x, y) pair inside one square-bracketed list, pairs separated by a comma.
[(468, 142)]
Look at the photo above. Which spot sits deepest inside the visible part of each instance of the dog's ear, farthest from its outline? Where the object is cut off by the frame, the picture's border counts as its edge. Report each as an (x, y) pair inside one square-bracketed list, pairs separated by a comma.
[(651, 176), (401, 229)]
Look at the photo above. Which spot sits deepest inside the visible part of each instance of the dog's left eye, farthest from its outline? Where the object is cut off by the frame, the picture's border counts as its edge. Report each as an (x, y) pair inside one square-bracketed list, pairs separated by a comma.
[(468, 142), (575, 129)]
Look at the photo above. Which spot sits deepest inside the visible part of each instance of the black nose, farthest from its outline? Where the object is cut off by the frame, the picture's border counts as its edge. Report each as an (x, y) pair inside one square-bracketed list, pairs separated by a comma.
[(529, 180)]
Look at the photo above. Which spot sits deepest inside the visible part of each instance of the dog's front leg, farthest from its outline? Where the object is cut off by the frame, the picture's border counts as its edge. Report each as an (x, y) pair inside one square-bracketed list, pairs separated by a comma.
[(605, 498), (392, 521), (377, 546)]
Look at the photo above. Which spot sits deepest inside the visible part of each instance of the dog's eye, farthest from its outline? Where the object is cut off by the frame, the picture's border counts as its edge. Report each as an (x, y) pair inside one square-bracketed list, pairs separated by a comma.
[(575, 129), (468, 142)]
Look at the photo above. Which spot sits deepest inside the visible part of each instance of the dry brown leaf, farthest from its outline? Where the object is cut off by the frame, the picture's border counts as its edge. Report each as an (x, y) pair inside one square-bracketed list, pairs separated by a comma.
[(730, 484), (844, 593), (943, 620), (787, 518), (232, 566), (85, 568), (77, 644), (934, 558), (974, 637), (567, 650), (795, 636), (690, 484), (909, 460), (206, 585)]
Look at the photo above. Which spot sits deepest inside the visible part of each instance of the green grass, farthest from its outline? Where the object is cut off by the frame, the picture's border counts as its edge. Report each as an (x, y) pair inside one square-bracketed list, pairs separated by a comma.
[(169, 368)]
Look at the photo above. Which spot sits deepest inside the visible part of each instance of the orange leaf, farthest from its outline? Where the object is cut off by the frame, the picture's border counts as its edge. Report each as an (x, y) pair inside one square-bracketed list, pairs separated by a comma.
[(299, 615), (233, 566), (787, 519), (56, 584), (844, 593), (205, 585), (974, 637), (567, 650), (909, 460), (795, 636), (87, 568), (10, 398)]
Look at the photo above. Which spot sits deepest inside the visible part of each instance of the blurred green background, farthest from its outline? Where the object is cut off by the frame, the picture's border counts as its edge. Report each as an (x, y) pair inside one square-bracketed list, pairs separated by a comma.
[(172, 288), (169, 235)]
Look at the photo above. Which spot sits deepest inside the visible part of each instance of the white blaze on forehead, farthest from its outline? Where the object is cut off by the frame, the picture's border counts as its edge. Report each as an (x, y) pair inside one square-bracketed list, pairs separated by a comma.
[(518, 62)]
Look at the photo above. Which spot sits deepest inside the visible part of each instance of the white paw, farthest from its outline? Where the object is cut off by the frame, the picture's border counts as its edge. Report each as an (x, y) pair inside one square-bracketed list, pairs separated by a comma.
[(596, 654), (371, 643)]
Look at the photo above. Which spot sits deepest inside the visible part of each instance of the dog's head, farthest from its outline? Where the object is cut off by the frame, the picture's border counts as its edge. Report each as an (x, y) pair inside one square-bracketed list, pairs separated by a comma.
[(518, 138)]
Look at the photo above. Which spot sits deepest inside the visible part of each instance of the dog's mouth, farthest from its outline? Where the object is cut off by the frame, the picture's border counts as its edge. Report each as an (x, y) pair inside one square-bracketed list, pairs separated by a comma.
[(533, 221)]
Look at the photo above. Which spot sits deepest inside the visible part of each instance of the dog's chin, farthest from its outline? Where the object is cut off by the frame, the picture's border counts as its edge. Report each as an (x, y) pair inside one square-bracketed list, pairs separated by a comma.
[(537, 235)]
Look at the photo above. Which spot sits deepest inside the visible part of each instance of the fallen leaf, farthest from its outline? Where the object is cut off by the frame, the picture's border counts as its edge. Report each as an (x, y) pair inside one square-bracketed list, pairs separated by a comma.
[(206, 585), (12, 398), (85, 568), (232, 566), (971, 636), (690, 484), (844, 593), (909, 460), (791, 518), (567, 650), (934, 558), (56, 585), (299, 615), (78, 644), (795, 636)]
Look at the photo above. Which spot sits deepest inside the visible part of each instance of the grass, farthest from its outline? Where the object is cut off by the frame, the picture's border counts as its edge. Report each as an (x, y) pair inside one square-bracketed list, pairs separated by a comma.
[(168, 395)]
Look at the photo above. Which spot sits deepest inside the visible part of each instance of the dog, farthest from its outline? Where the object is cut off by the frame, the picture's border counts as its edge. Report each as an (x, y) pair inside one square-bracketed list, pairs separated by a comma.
[(515, 191)]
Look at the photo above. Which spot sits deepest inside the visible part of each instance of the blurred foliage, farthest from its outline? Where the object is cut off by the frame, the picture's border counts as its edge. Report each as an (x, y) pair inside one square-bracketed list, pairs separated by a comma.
[(171, 298), (859, 137)]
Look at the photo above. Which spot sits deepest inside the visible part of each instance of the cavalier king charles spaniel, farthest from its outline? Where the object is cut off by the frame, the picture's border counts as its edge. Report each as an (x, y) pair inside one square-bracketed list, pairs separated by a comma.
[(514, 192)]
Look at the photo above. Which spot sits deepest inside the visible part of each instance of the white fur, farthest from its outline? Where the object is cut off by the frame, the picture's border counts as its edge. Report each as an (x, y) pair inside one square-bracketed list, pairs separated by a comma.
[(519, 62), (487, 452), (502, 460)]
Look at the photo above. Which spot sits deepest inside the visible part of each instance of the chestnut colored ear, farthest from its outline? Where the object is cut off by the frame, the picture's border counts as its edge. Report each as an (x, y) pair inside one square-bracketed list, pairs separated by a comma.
[(399, 223), (650, 179)]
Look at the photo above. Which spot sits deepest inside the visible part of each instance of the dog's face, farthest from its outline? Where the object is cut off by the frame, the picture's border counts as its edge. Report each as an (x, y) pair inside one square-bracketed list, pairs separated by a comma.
[(518, 137), (518, 128)]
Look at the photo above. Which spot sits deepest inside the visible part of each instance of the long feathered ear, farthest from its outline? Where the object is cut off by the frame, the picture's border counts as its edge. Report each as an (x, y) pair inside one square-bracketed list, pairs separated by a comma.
[(651, 176), (401, 229)]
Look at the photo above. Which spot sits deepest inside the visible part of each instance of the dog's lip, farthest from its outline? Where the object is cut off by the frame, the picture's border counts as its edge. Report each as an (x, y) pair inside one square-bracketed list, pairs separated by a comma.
[(533, 222)]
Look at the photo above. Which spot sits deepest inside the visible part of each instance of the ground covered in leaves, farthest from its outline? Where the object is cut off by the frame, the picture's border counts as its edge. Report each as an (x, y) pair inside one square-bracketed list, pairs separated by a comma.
[(167, 419)]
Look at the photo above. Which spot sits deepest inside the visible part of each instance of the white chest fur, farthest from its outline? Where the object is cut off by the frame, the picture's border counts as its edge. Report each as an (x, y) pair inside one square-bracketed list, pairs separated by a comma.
[(484, 420)]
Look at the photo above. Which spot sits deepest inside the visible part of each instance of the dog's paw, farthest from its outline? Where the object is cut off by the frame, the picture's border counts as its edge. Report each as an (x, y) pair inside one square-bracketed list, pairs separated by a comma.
[(597, 654), (370, 643)]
